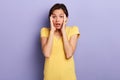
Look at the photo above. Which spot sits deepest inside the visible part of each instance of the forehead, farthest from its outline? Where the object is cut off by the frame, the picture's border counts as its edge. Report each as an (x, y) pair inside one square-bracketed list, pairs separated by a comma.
[(58, 11)]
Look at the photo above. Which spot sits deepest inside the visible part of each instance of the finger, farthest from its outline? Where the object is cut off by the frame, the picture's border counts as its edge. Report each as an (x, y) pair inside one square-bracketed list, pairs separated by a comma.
[(65, 18), (51, 20)]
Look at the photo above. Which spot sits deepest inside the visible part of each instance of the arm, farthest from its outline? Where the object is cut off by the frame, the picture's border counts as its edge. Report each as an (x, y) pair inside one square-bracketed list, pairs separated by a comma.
[(69, 45), (47, 42)]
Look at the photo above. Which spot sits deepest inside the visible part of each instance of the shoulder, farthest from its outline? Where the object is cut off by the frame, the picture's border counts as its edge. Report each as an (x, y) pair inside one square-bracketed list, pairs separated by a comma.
[(45, 29), (72, 28)]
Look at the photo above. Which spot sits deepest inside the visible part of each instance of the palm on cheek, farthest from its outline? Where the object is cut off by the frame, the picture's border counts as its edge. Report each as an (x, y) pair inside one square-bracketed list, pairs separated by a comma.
[(64, 23), (51, 24)]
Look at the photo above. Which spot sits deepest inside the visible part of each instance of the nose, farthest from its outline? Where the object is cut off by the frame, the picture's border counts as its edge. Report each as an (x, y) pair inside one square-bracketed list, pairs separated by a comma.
[(57, 19)]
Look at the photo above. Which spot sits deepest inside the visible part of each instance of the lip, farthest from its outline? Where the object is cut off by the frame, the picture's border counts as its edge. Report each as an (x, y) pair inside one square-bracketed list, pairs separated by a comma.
[(57, 24)]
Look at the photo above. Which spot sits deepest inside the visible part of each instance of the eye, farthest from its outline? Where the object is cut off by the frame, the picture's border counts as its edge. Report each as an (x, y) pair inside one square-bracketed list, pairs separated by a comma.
[(53, 16), (61, 16)]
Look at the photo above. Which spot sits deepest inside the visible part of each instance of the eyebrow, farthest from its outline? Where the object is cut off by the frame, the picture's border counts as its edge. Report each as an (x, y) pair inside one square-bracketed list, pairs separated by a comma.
[(55, 14)]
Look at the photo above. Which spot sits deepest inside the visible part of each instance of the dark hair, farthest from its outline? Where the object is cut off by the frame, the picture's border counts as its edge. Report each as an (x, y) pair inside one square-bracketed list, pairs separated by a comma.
[(58, 6)]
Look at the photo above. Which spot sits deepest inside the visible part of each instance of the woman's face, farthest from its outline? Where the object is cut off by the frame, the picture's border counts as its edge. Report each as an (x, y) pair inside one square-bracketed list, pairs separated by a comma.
[(58, 18)]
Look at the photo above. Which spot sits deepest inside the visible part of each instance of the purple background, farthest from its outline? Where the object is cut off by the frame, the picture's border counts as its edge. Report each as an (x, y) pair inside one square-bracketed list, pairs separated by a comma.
[(97, 56)]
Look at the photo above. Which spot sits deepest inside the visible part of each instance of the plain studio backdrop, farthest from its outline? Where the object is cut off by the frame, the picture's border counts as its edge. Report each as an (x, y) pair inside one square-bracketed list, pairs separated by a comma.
[(97, 56)]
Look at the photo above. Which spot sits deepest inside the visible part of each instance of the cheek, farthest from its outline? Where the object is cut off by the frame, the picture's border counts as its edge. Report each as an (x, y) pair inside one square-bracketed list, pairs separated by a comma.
[(53, 21), (61, 20)]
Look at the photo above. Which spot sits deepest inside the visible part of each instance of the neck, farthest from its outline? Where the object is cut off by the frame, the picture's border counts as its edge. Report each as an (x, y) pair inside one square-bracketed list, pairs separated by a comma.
[(57, 31)]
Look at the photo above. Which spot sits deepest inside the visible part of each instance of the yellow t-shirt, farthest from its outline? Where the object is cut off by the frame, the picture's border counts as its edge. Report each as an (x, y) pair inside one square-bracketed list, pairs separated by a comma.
[(57, 67)]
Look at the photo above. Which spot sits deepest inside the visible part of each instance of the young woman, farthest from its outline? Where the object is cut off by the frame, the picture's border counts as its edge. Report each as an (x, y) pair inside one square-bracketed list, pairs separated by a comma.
[(58, 45)]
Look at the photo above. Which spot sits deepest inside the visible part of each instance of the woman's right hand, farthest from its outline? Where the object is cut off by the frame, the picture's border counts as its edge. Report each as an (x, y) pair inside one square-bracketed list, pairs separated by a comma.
[(51, 24)]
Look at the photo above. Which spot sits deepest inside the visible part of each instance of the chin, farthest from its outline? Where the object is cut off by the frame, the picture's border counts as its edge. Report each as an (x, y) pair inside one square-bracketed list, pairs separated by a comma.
[(58, 27)]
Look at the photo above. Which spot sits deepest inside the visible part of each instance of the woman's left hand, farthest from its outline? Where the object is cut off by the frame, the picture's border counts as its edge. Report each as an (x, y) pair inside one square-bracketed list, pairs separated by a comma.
[(64, 23)]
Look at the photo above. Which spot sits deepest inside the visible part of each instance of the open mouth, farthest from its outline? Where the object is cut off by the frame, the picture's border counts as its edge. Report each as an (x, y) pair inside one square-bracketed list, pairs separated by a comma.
[(57, 24)]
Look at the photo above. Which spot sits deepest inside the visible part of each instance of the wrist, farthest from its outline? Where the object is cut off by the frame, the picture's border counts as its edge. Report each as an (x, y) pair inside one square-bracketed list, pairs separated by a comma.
[(52, 31), (63, 30)]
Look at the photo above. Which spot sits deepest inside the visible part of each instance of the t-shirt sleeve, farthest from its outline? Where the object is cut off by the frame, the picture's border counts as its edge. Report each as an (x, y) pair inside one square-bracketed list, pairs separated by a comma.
[(75, 30), (44, 32)]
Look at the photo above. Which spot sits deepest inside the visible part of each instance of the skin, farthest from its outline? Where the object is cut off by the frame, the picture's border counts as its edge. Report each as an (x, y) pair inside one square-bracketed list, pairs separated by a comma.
[(58, 24)]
